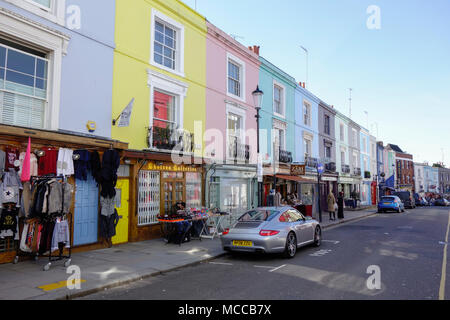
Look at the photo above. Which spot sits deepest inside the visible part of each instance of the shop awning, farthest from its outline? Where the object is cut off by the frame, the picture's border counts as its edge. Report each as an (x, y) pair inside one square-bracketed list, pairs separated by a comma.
[(63, 138), (294, 178)]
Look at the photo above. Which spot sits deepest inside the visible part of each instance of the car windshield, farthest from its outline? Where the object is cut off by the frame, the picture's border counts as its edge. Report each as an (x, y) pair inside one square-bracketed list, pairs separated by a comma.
[(390, 199), (258, 215)]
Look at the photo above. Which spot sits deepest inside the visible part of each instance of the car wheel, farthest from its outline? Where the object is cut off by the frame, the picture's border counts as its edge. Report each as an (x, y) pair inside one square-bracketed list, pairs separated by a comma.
[(318, 237), (399, 210), (291, 246)]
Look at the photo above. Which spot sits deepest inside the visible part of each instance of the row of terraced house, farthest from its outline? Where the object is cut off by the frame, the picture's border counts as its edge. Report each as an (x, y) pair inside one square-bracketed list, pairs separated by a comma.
[(68, 68)]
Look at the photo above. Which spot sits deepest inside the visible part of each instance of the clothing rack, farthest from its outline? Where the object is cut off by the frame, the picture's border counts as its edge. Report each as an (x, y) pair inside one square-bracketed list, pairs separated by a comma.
[(61, 215)]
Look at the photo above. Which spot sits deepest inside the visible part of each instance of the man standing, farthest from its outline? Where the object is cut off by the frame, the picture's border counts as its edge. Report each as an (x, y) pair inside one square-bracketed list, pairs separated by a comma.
[(341, 205)]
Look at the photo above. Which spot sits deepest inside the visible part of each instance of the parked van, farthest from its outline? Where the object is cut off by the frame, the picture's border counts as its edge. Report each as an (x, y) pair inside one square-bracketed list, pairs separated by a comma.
[(406, 198)]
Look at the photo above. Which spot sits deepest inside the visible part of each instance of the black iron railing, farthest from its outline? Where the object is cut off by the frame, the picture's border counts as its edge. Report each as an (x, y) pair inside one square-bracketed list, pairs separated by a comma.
[(367, 174), (311, 162), (285, 156), (330, 167), (345, 168), (357, 172), (170, 139)]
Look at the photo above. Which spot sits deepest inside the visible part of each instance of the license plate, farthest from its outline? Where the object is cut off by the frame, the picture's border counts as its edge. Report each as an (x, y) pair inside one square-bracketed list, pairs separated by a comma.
[(387, 203), (238, 243)]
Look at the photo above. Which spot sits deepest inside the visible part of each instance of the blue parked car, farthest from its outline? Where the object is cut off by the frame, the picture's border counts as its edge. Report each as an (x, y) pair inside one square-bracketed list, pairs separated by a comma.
[(390, 203)]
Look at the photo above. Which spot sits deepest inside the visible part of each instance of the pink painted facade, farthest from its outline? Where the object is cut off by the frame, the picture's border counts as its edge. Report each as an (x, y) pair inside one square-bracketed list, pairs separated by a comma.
[(220, 49)]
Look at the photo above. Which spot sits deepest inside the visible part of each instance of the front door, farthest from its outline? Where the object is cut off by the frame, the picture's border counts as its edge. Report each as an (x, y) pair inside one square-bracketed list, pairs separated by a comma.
[(85, 229), (173, 190), (122, 199)]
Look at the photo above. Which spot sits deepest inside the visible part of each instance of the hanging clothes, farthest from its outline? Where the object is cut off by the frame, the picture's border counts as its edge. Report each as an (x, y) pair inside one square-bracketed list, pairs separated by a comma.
[(25, 200), (8, 220), (107, 206), (110, 165), (82, 165), (47, 163), (65, 166), (12, 155), (2, 162), (96, 166), (108, 225), (33, 164), (61, 234), (10, 188)]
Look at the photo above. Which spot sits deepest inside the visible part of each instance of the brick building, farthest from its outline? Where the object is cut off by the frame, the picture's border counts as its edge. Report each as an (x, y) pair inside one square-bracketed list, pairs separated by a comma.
[(404, 169)]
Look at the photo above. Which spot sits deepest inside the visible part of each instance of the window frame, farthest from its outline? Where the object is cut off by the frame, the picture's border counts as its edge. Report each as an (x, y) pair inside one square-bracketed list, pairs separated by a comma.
[(242, 77), (54, 45), (342, 131), (307, 107), (282, 97), (45, 114), (180, 40), (56, 13), (327, 124)]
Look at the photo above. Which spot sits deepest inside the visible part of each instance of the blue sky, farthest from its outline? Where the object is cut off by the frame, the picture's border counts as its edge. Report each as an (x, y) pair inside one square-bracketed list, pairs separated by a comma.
[(400, 74)]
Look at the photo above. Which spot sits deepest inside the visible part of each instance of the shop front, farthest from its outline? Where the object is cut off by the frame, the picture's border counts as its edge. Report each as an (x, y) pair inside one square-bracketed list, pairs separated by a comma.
[(47, 176), (231, 189), (156, 186)]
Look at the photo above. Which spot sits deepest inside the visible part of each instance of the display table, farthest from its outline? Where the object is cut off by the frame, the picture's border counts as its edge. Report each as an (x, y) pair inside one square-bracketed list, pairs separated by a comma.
[(218, 219), (178, 230)]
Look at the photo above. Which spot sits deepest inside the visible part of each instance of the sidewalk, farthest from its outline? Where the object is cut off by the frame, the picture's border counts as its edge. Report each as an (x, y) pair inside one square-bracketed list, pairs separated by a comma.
[(112, 267)]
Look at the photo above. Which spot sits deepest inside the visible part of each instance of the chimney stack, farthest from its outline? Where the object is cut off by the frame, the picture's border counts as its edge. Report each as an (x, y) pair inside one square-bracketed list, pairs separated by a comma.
[(254, 49)]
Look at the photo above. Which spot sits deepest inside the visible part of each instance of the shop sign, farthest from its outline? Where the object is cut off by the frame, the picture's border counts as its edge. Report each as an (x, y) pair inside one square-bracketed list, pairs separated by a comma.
[(298, 170), (171, 167), (346, 180), (329, 178)]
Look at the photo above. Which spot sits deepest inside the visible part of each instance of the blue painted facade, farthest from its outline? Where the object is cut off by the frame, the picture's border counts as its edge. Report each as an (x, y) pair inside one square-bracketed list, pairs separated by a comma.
[(269, 77), (303, 130), (86, 70)]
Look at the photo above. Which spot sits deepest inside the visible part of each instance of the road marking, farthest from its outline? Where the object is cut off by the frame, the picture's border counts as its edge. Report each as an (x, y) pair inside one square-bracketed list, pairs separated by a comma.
[(444, 264), (320, 253), (59, 285), (332, 241), (264, 267), (222, 263), (277, 268)]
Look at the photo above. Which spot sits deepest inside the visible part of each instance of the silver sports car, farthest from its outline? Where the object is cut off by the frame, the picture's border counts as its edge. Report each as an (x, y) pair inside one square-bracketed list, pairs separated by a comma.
[(272, 230)]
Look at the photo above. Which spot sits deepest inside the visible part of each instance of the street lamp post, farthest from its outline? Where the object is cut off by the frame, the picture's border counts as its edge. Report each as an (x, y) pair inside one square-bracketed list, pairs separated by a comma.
[(258, 96)]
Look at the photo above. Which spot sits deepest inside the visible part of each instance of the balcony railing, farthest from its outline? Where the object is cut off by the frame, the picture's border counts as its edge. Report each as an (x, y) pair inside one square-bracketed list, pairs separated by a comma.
[(330, 167), (311, 162), (238, 152), (285, 156), (357, 172), (345, 168), (169, 139)]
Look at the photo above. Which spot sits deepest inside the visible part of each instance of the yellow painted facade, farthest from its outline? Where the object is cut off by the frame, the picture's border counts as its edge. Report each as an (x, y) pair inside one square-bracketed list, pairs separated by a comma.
[(132, 64)]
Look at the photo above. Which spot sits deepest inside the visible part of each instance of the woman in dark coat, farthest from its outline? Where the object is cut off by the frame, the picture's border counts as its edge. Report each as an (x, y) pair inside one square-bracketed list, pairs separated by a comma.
[(340, 203)]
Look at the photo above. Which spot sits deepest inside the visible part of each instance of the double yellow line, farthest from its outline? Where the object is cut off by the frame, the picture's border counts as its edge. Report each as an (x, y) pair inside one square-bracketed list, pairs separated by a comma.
[(444, 264)]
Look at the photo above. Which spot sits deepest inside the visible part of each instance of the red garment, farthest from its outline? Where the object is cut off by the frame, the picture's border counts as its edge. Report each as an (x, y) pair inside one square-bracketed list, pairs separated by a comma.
[(47, 163), (12, 154)]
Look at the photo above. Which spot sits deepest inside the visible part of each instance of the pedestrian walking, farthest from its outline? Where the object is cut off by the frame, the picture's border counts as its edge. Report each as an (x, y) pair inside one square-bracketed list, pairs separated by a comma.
[(278, 198), (332, 205), (341, 205)]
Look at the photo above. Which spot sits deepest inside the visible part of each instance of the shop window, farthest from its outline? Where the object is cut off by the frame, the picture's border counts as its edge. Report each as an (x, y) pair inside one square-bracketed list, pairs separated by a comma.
[(149, 197), (193, 190)]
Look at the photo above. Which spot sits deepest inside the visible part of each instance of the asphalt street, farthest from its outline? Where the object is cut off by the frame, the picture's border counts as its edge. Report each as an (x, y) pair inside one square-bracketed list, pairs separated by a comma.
[(407, 249)]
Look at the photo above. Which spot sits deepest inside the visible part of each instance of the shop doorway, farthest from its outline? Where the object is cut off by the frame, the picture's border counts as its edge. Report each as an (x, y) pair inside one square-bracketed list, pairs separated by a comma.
[(122, 199), (173, 190), (85, 229)]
